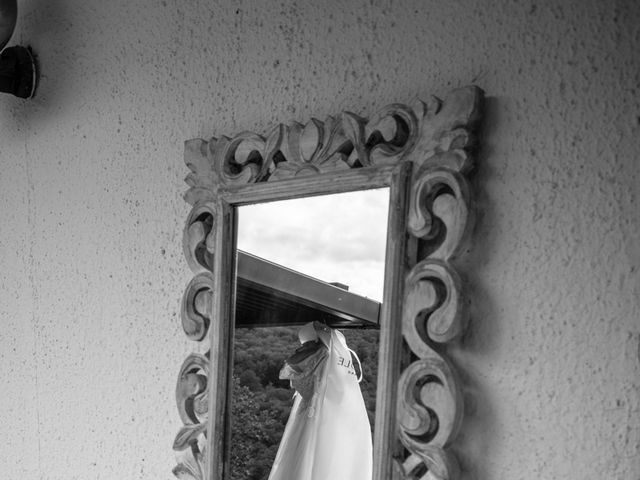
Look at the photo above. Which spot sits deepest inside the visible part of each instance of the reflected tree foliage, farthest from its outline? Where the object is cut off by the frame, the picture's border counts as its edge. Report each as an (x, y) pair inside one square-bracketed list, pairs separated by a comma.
[(261, 402)]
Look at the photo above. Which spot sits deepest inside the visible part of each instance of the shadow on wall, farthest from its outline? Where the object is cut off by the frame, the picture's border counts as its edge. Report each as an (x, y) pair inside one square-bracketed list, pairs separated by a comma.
[(482, 335)]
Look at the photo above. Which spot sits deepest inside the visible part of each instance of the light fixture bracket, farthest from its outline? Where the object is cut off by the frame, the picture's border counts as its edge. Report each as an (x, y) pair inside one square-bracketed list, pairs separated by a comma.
[(18, 71)]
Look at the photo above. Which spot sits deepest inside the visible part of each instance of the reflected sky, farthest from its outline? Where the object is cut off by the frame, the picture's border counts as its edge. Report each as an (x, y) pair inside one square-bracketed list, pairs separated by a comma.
[(335, 238)]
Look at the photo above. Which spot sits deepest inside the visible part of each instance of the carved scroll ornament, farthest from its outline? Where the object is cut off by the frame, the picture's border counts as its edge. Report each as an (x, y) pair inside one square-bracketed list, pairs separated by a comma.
[(437, 138)]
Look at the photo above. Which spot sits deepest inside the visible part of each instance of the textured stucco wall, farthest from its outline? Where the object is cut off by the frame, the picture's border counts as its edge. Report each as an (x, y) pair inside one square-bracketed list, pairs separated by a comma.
[(91, 216)]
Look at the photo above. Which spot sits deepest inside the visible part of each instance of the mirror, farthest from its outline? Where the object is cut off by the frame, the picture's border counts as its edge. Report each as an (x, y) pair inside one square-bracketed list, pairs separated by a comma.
[(298, 261), (423, 153)]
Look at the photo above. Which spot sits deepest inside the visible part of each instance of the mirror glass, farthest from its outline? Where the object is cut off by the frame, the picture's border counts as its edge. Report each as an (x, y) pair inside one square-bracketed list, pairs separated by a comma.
[(317, 259)]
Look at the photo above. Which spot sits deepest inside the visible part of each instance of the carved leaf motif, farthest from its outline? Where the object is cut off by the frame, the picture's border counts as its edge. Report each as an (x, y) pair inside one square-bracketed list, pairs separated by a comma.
[(198, 237), (430, 408), (242, 159), (191, 463), (203, 178), (385, 139), (196, 303), (439, 212), (433, 463), (445, 126), (191, 399), (353, 126), (191, 390), (433, 306), (391, 134), (310, 149), (310, 139), (333, 152), (429, 416), (273, 146), (188, 435)]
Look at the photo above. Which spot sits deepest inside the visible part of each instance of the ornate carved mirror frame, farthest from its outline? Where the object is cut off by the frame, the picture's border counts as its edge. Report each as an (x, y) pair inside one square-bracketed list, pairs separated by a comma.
[(423, 153)]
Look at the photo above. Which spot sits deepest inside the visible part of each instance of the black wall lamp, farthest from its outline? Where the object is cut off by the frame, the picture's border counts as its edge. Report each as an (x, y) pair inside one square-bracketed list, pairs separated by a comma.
[(18, 72)]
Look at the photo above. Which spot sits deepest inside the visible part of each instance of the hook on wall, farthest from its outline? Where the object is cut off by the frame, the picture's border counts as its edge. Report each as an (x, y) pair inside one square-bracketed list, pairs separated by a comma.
[(18, 70)]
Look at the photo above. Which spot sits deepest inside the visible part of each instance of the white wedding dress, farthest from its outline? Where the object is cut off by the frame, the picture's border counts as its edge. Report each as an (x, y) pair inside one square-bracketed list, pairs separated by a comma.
[(327, 436)]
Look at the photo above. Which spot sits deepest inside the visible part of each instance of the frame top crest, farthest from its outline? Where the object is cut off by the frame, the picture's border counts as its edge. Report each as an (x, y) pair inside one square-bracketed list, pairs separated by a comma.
[(431, 133)]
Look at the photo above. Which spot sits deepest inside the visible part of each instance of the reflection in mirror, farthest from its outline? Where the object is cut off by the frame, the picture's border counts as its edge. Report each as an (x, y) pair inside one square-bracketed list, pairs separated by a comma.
[(318, 259)]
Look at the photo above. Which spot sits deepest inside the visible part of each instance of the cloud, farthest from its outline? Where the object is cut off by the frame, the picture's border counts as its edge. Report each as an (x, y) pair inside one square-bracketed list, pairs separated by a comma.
[(338, 237)]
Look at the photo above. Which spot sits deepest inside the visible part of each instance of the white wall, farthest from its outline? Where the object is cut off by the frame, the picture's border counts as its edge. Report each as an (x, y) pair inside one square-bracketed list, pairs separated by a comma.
[(91, 215)]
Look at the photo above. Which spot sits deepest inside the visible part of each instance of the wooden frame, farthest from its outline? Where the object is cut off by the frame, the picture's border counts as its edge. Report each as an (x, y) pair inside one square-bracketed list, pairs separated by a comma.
[(422, 153)]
